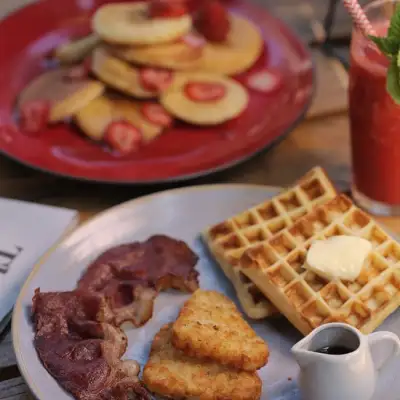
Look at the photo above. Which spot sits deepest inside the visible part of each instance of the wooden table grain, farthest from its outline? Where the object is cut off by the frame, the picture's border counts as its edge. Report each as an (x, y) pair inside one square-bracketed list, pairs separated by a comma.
[(321, 139)]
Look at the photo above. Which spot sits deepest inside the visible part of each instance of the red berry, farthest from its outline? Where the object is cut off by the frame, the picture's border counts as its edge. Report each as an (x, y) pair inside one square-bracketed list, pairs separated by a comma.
[(213, 21), (155, 79), (123, 137), (156, 114), (205, 91), (34, 116), (194, 41), (167, 8), (79, 71), (8, 132)]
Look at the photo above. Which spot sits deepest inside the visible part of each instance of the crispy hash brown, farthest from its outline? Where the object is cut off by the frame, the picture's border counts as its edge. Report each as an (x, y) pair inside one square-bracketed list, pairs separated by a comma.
[(209, 326), (169, 372)]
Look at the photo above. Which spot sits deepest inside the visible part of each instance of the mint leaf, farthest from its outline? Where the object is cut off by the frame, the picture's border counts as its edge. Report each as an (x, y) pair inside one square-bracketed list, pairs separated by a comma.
[(393, 80), (389, 46), (394, 28)]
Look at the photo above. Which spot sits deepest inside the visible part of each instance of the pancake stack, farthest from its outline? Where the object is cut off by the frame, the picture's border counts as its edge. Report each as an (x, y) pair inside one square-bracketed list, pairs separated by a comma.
[(179, 63)]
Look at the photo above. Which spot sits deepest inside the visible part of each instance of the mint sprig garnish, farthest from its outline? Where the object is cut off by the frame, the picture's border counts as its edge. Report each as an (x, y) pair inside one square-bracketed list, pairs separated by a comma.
[(393, 80), (390, 46)]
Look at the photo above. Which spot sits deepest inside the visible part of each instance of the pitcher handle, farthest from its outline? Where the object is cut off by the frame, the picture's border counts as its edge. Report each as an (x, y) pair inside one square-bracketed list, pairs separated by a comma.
[(386, 344)]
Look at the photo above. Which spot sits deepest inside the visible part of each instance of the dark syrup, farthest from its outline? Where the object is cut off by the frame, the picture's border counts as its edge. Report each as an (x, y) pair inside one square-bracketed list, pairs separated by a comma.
[(334, 350)]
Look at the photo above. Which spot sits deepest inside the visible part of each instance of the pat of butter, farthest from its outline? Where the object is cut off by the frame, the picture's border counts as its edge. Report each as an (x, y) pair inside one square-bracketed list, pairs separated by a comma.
[(339, 257)]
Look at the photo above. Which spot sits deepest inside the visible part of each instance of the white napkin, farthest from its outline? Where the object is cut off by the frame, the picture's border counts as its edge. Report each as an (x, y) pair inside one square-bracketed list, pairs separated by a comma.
[(27, 231)]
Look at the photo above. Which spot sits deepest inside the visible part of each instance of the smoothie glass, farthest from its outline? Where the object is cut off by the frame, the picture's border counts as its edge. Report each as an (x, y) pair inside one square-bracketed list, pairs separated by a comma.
[(374, 119)]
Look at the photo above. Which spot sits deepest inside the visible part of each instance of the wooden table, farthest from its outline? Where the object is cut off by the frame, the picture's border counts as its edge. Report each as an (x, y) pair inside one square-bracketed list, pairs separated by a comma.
[(321, 139)]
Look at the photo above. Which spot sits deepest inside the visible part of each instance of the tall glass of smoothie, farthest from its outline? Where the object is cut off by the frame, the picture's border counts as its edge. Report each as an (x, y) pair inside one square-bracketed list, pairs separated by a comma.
[(374, 119)]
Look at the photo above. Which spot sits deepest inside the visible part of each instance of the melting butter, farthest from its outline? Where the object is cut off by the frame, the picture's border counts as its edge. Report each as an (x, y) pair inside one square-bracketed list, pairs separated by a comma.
[(339, 257)]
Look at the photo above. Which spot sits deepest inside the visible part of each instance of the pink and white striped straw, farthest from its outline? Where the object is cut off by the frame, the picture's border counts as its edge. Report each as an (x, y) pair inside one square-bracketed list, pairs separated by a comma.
[(359, 18)]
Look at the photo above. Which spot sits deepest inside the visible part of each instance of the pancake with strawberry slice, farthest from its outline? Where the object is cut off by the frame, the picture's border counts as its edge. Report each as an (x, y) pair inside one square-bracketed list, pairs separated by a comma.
[(233, 42), (204, 99), (182, 54), (149, 118), (53, 97), (143, 83), (142, 23)]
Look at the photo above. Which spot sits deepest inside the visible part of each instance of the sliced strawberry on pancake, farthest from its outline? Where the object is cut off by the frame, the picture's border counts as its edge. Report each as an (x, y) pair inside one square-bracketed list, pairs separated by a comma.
[(123, 136), (194, 41), (34, 115), (205, 91), (167, 8), (155, 79), (156, 114), (79, 71)]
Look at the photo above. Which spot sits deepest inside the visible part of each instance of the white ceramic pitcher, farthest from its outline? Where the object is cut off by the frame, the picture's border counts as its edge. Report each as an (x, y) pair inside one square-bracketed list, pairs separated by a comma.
[(350, 376)]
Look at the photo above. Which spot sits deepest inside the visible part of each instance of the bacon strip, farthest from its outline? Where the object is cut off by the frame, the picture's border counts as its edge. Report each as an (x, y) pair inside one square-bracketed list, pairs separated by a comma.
[(130, 275), (81, 350)]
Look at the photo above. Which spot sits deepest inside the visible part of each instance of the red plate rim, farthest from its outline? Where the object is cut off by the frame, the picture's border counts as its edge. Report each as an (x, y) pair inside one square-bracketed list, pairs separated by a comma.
[(204, 172)]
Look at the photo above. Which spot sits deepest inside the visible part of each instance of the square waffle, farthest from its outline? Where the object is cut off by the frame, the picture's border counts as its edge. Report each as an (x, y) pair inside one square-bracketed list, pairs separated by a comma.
[(307, 300), (228, 240)]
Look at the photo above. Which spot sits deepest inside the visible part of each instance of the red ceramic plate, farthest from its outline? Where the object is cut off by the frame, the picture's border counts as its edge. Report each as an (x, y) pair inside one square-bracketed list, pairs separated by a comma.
[(183, 152)]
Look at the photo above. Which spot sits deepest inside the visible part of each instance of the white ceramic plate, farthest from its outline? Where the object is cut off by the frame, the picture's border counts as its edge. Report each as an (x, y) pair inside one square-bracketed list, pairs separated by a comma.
[(182, 214)]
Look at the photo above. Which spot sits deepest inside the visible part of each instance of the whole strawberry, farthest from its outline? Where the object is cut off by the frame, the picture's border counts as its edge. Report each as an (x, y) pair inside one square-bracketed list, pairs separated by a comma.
[(212, 21)]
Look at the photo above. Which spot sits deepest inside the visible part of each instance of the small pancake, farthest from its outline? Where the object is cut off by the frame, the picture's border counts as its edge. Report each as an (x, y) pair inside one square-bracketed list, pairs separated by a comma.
[(97, 115), (66, 96), (118, 74), (178, 55), (238, 53), (129, 24), (76, 50), (176, 101)]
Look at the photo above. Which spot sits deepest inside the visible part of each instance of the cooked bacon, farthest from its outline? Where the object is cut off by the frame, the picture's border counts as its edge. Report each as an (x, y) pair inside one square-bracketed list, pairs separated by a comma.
[(129, 273), (81, 350), (77, 336)]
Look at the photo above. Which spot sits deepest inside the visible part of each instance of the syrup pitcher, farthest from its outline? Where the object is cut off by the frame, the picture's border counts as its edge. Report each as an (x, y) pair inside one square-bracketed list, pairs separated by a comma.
[(338, 362)]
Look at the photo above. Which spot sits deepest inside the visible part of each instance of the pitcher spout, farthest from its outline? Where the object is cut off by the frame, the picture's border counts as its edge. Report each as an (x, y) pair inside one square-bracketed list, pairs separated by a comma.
[(302, 353)]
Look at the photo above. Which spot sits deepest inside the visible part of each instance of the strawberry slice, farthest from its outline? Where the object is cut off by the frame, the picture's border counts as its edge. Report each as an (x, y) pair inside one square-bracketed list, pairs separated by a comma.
[(213, 21), (266, 81), (167, 8), (194, 41), (156, 114), (123, 136), (7, 132), (205, 91), (155, 79), (34, 116), (79, 71)]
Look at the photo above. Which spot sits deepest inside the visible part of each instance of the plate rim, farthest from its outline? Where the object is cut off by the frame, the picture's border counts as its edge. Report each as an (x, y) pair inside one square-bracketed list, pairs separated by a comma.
[(205, 172), (17, 310)]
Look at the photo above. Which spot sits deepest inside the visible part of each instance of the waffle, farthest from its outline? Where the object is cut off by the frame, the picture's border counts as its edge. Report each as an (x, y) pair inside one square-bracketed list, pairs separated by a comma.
[(228, 240), (308, 301)]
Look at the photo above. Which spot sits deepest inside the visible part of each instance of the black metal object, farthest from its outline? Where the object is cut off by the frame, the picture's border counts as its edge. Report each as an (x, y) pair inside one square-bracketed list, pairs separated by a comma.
[(338, 47)]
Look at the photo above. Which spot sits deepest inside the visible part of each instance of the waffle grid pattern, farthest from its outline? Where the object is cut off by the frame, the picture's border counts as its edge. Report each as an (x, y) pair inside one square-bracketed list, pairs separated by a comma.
[(308, 301), (228, 240)]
